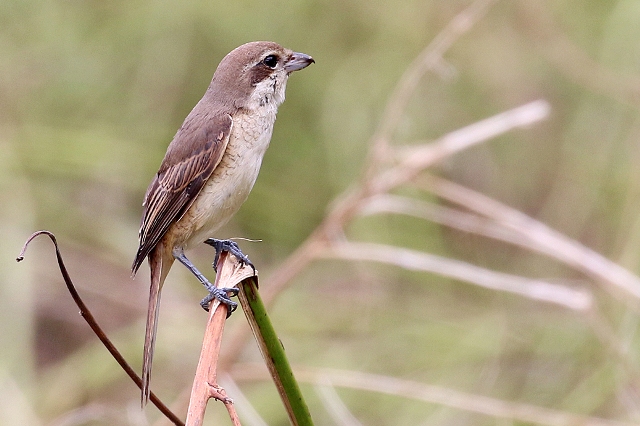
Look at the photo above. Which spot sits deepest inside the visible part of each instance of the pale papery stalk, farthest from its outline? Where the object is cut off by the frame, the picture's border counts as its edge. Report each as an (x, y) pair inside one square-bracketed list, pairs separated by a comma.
[(537, 236), (205, 384), (488, 227), (417, 159), (542, 237), (430, 59), (246, 410), (433, 394), (447, 216), (413, 260), (572, 60), (501, 222), (603, 331), (334, 405)]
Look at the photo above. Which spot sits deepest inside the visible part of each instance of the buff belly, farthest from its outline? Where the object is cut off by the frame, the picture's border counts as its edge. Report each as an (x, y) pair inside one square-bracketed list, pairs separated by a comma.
[(230, 184)]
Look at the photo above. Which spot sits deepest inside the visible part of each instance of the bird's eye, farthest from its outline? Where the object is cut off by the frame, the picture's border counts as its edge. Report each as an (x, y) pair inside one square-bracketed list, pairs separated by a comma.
[(271, 61)]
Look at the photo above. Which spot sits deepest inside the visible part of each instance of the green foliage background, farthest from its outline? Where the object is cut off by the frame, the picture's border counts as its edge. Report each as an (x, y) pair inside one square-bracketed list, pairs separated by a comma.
[(91, 93)]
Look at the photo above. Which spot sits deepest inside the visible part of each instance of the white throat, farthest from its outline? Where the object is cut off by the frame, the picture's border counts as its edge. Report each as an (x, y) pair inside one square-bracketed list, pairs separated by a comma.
[(268, 94)]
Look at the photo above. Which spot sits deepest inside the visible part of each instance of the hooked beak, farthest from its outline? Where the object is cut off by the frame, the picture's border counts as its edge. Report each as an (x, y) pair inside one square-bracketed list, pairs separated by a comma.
[(297, 61)]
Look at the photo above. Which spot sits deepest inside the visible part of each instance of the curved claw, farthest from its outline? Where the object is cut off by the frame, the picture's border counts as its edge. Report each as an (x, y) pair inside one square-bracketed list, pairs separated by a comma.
[(230, 247), (223, 297), (233, 290)]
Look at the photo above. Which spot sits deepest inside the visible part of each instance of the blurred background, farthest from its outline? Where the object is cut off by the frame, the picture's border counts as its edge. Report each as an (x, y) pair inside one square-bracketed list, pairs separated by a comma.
[(91, 93)]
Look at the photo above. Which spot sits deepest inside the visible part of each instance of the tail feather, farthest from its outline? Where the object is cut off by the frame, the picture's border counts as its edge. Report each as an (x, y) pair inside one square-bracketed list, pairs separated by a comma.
[(159, 266)]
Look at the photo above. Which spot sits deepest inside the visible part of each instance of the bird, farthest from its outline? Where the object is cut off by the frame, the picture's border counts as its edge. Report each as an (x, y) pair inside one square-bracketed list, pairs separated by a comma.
[(208, 171)]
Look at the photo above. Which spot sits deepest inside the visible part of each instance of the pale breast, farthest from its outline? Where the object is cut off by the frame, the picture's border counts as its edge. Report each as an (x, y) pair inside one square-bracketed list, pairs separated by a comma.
[(230, 184)]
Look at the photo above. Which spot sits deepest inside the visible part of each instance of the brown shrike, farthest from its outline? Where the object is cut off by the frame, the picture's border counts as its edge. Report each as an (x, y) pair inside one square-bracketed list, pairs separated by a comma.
[(209, 169)]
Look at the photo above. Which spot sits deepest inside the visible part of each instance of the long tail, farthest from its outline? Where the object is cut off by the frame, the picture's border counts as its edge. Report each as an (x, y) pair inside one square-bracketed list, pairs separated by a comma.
[(159, 264)]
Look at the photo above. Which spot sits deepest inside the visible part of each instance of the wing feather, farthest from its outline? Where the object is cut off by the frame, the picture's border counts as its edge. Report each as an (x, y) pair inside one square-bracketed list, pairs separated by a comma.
[(191, 158)]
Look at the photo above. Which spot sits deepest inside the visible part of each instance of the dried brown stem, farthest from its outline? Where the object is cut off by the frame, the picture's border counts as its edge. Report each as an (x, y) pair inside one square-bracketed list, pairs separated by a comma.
[(205, 383), (88, 317)]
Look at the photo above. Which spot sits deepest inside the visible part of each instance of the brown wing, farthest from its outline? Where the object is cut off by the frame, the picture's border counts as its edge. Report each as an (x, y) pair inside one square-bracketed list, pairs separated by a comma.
[(191, 158)]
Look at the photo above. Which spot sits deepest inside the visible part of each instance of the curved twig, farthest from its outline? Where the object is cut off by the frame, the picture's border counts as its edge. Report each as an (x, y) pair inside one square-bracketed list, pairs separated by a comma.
[(88, 317)]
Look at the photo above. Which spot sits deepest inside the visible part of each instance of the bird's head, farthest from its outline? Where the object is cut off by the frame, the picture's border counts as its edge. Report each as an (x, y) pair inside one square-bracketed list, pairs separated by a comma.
[(255, 75)]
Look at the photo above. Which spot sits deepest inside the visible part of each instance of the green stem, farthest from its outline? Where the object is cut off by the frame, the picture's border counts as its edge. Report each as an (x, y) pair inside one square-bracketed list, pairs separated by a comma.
[(273, 353)]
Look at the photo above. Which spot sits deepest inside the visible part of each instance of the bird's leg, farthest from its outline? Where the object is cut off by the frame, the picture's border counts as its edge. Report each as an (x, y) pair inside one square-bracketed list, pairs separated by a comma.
[(230, 247), (214, 293)]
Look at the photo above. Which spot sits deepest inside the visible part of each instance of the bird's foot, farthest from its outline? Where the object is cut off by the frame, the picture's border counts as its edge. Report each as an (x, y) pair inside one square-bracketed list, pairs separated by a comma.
[(222, 294), (230, 247), (214, 293)]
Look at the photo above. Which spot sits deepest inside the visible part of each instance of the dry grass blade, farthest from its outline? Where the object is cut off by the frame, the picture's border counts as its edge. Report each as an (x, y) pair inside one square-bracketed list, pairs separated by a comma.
[(337, 409), (453, 218), (573, 60), (248, 413), (486, 226), (577, 299), (539, 235), (415, 160), (461, 400), (429, 59), (523, 116), (514, 411)]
